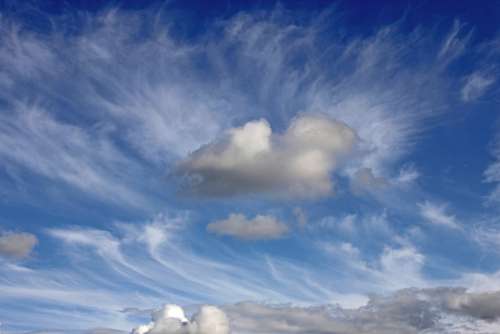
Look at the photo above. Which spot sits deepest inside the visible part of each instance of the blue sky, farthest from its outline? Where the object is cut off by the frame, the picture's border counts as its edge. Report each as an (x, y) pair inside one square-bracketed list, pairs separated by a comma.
[(258, 167)]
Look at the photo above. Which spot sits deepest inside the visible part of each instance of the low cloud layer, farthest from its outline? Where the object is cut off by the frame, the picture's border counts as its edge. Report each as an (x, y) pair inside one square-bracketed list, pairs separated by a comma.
[(239, 226), (252, 159), (172, 320), (17, 245), (410, 311), (440, 310)]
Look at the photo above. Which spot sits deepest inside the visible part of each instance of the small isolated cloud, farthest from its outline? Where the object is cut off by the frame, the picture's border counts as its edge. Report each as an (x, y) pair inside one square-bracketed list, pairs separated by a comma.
[(407, 175), (172, 320), (17, 245), (475, 86), (436, 214), (259, 228), (252, 159)]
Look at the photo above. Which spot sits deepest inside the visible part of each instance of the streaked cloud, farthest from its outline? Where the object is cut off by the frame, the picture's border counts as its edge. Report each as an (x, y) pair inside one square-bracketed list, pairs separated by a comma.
[(476, 84), (33, 140), (437, 214)]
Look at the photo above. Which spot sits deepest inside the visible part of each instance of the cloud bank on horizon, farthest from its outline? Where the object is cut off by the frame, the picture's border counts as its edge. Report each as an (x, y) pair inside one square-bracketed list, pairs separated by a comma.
[(273, 169)]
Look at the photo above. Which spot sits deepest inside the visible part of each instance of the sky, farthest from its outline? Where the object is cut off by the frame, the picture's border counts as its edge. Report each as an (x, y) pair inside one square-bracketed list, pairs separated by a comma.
[(216, 167)]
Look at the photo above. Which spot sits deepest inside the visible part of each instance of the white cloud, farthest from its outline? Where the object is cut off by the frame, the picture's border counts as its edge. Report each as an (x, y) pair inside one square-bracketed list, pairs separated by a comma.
[(436, 214), (171, 320), (251, 159), (33, 140), (402, 267), (407, 175), (102, 241), (455, 43), (158, 103), (17, 245), (259, 228), (342, 249), (475, 86)]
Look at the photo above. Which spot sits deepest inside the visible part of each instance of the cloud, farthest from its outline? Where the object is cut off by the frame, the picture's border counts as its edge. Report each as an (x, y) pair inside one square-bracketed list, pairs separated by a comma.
[(261, 227), (407, 175), (409, 311), (476, 84), (130, 107), (436, 214), (484, 305), (17, 245), (364, 180), (345, 224), (455, 43), (33, 140), (140, 265), (102, 241), (492, 173), (300, 216), (171, 320), (252, 159)]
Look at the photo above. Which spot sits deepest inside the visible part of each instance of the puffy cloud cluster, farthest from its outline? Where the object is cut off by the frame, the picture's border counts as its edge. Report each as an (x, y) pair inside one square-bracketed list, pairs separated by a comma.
[(17, 245), (239, 226), (172, 320), (253, 159)]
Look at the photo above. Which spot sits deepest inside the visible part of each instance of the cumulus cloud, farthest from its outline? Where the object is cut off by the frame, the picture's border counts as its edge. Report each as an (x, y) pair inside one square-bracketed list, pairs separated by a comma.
[(17, 245), (172, 320), (253, 159), (258, 228), (436, 214)]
